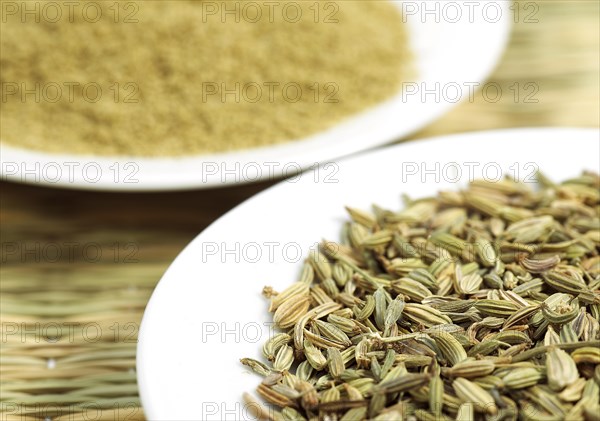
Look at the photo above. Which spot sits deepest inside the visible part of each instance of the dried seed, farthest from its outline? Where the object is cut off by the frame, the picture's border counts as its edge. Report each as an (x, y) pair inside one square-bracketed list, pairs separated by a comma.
[(284, 358), (273, 397), (485, 348), (472, 368), (540, 265), (307, 275), (316, 313), (551, 337), (259, 411), (304, 371), (335, 362), (290, 414), (290, 311), (521, 315), (392, 314), (469, 392), (561, 369), (256, 366), (424, 315), (530, 229), (573, 392), (586, 355), (496, 308), (353, 393), (360, 217), (355, 414), (402, 384), (412, 289), (512, 337), (568, 283), (377, 239), (332, 332), (377, 404), (520, 378), (381, 302), (560, 308), (362, 313), (321, 341), (436, 394), (424, 277), (309, 398), (466, 412), (546, 400), (314, 356), (452, 350), (271, 347), (296, 289)]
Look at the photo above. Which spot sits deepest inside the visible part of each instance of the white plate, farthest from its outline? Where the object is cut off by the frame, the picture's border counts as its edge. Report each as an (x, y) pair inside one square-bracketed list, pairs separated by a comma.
[(207, 311), (452, 50)]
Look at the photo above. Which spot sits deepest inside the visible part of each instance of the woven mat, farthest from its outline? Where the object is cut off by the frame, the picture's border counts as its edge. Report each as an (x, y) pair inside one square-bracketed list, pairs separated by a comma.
[(78, 267)]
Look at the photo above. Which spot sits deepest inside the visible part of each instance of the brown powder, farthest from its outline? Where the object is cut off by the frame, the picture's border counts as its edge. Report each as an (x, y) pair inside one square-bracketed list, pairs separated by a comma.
[(189, 78)]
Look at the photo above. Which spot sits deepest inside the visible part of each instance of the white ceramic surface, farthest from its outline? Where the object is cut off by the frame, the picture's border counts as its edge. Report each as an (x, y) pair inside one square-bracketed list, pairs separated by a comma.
[(456, 48), (207, 311)]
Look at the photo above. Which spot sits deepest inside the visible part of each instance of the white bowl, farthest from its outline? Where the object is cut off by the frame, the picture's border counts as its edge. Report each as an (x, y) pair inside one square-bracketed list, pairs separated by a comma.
[(453, 56), (207, 312)]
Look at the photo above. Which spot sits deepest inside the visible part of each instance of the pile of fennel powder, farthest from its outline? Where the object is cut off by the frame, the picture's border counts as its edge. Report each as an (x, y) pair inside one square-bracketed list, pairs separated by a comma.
[(165, 78)]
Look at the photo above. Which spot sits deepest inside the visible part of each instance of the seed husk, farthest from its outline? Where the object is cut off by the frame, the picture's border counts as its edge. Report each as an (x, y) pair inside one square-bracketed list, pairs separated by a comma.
[(521, 315), (451, 348), (297, 289), (573, 392), (284, 358), (271, 347), (472, 368), (466, 412), (274, 397), (404, 383), (469, 392), (589, 355), (424, 315), (496, 308), (436, 394), (256, 366), (520, 378), (333, 332), (290, 311), (335, 361), (561, 369), (314, 356)]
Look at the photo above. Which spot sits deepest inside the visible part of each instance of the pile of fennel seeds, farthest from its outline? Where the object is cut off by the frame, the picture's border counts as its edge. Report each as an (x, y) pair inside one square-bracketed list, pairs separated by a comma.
[(479, 304)]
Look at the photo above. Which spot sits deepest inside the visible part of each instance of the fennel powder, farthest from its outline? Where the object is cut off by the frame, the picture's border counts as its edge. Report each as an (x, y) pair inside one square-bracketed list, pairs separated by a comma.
[(173, 78)]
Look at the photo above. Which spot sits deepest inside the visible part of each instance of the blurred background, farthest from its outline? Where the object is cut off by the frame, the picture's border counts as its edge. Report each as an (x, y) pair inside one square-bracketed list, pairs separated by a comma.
[(70, 323)]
